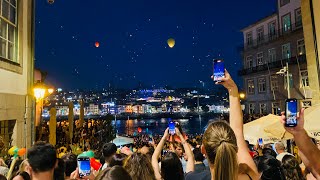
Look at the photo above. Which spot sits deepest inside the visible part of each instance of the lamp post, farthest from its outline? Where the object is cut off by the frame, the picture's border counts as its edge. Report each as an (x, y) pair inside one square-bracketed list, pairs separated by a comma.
[(40, 92), (285, 70)]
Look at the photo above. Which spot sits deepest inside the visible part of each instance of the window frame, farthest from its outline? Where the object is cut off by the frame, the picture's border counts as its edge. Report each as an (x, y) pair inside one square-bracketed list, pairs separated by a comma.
[(250, 57), (251, 108), (265, 107), (297, 23), (299, 46), (250, 89), (274, 83), (249, 41), (259, 85), (260, 58), (260, 34), (282, 48), (282, 23), (273, 107), (283, 3), (274, 55)]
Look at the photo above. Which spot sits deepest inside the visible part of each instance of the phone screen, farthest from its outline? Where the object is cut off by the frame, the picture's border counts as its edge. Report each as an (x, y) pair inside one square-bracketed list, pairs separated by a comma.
[(260, 142), (172, 127), (84, 166), (218, 69), (291, 112)]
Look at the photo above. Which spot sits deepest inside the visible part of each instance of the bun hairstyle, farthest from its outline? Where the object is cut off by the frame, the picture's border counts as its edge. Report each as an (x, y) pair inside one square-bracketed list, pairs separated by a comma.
[(221, 148), (291, 168)]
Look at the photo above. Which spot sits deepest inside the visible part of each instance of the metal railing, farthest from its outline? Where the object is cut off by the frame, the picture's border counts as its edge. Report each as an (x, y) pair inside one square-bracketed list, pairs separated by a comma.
[(272, 65), (271, 36)]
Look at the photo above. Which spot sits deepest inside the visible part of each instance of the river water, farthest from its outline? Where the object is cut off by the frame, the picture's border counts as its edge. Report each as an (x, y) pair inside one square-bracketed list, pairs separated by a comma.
[(157, 126)]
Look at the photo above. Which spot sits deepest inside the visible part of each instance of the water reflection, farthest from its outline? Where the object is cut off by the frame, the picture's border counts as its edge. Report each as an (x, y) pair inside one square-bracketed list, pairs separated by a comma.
[(157, 126)]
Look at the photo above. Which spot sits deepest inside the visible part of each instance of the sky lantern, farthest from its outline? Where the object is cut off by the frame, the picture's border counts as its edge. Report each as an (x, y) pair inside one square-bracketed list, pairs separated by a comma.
[(50, 1), (171, 42), (97, 44), (139, 129)]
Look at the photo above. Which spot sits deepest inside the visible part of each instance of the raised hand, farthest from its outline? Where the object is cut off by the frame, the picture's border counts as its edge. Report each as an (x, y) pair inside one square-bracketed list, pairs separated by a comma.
[(300, 123)]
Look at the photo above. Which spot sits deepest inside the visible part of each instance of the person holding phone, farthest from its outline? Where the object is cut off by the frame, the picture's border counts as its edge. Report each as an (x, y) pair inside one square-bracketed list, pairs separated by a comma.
[(309, 153), (224, 145), (171, 167)]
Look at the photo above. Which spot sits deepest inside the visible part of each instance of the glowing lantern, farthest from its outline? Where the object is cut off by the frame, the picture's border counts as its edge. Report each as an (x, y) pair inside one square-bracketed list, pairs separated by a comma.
[(97, 44), (171, 42), (139, 129), (50, 1)]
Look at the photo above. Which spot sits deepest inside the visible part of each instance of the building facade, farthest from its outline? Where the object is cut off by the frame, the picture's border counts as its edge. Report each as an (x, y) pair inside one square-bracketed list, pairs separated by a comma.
[(16, 72), (268, 45)]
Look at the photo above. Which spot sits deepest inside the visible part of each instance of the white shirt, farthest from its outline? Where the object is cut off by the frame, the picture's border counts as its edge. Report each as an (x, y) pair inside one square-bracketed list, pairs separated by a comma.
[(281, 155)]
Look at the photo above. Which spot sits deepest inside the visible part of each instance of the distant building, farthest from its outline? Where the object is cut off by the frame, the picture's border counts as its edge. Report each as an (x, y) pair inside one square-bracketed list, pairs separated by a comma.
[(137, 109), (62, 110), (92, 109), (268, 45)]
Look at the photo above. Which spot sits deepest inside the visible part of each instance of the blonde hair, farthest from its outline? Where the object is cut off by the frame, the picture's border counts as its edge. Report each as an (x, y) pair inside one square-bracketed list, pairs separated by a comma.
[(221, 148)]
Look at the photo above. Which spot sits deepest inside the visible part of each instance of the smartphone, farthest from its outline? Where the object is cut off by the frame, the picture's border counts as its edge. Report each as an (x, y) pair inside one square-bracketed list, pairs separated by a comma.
[(172, 127), (260, 141), (150, 138), (218, 70), (291, 112), (84, 166)]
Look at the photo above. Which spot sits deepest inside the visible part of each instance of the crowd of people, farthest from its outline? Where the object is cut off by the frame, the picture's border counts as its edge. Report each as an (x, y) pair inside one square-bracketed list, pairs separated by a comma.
[(221, 153)]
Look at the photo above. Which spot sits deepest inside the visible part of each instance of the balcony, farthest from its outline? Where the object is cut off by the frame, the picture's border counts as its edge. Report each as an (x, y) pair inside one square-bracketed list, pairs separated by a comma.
[(272, 36), (272, 65)]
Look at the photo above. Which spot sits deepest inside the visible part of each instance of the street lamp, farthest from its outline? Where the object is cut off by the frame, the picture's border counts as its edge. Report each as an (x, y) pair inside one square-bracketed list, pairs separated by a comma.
[(242, 95), (285, 70)]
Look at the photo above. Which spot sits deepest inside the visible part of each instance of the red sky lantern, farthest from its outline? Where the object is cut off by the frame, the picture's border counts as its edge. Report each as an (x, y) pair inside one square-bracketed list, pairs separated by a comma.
[(139, 129), (97, 44)]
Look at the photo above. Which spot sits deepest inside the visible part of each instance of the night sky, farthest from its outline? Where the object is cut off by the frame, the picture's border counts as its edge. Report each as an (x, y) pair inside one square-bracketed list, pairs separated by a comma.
[(133, 38)]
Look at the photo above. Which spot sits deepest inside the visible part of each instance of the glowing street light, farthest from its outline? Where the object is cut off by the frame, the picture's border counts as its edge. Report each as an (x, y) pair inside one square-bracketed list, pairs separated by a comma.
[(242, 95)]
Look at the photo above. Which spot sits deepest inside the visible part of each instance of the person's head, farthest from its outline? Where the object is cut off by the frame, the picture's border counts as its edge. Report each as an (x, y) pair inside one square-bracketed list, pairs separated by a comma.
[(108, 150), (279, 146), (198, 156), (171, 167), (291, 168), (117, 159), (70, 161), (318, 144), (22, 175), (42, 158), (59, 171), (2, 177), (270, 168), (269, 152), (178, 148), (220, 146), (267, 146), (114, 173), (139, 167)]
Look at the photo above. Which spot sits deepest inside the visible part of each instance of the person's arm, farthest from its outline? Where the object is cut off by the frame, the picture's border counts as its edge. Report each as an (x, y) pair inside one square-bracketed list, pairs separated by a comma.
[(236, 123), (190, 162), (309, 151), (156, 154)]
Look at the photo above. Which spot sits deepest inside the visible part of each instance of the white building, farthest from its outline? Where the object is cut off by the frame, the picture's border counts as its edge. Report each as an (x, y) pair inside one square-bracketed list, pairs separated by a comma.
[(92, 109), (16, 71)]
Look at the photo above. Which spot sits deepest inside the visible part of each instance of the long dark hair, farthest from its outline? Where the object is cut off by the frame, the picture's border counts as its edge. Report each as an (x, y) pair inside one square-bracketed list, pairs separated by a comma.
[(270, 168), (291, 168), (171, 167)]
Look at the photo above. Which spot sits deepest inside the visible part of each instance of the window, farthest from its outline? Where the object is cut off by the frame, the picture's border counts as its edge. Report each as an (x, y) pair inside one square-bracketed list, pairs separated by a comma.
[(298, 17), (274, 83), (250, 86), (272, 55), (300, 47), (249, 38), (260, 34), (260, 59), (6, 130), (251, 108), (284, 2), (286, 52), (249, 62), (304, 78), (8, 29), (286, 23), (262, 85), (276, 108), (272, 30), (263, 108)]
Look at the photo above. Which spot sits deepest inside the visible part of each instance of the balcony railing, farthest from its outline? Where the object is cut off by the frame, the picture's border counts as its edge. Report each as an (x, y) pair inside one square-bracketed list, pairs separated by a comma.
[(272, 65), (272, 36)]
